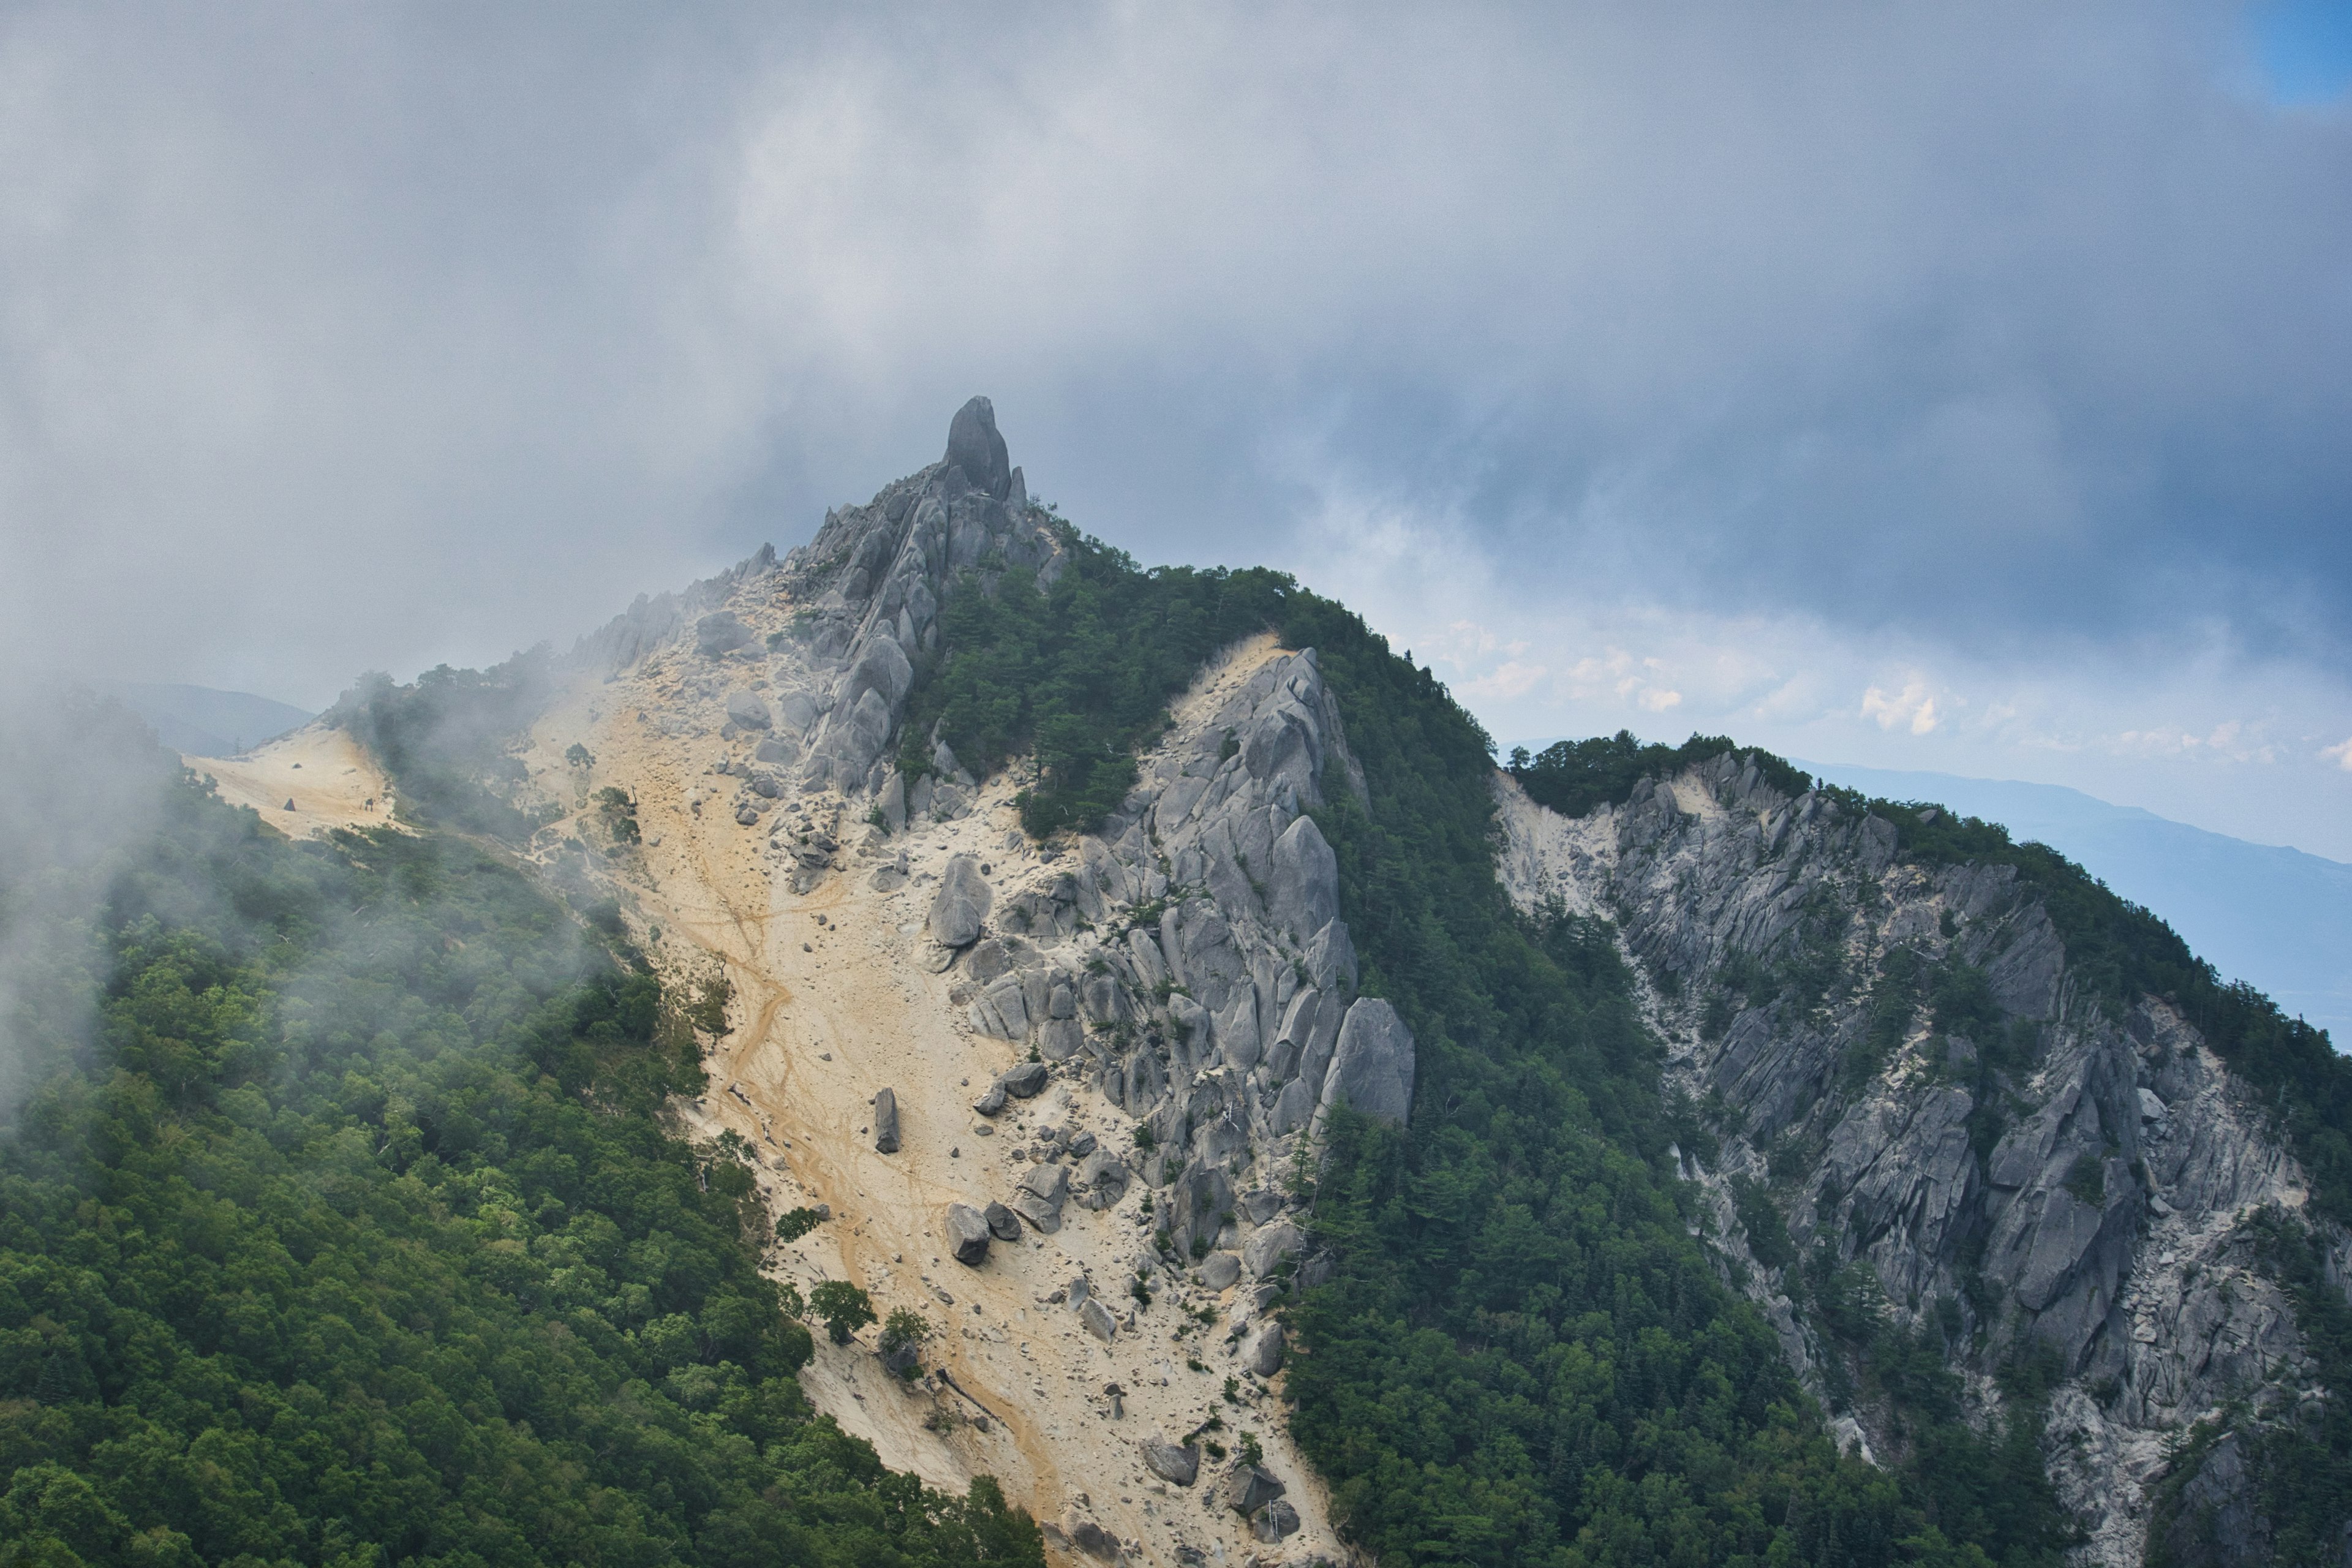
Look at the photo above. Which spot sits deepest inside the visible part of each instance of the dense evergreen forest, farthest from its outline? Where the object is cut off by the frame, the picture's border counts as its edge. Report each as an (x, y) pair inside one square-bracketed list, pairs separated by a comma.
[(340, 1226)]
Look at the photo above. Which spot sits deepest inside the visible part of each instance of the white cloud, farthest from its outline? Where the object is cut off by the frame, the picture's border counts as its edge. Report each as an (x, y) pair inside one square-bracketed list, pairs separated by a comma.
[(2342, 753), (1510, 678), (1913, 708)]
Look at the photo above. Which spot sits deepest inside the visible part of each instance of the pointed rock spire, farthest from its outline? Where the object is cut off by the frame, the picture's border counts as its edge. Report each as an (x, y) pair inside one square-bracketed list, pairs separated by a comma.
[(974, 447)]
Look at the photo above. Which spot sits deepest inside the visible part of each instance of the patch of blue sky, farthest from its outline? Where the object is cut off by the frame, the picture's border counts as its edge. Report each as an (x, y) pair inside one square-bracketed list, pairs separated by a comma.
[(2304, 50)]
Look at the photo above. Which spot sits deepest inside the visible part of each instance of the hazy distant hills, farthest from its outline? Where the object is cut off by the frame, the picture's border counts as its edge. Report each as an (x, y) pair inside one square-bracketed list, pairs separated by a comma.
[(2278, 918), (203, 721)]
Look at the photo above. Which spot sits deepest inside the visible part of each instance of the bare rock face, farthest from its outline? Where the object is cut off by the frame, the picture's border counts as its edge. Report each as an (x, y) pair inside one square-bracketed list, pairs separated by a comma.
[(885, 1121), (1179, 1467), (967, 1233), (2039, 1171), (961, 906), (1372, 1063)]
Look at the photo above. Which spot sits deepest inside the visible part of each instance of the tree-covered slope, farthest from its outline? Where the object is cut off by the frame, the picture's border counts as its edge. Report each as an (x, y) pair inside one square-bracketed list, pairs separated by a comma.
[(1526, 1356), (343, 1227)]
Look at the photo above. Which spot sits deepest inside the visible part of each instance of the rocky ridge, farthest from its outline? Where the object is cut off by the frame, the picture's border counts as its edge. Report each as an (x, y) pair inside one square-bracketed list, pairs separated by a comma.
[(2066, 1180), (1163, 1011)]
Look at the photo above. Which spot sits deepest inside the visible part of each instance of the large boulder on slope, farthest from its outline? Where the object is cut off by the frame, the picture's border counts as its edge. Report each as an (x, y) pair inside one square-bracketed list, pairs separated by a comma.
[(960, 907), (885, 1121), (720, 632), (1040, 1197), (1251, 1487), (1025, 1081), (967, 1234), (1102, 1179), (1269, 1245), (749, 711), (1178, 1466), (1263, 1355), (1275, 1522)]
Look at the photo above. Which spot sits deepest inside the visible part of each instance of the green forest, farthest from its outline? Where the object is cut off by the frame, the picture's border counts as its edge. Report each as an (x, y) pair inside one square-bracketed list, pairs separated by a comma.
[(340, 1226), (1075, 679)]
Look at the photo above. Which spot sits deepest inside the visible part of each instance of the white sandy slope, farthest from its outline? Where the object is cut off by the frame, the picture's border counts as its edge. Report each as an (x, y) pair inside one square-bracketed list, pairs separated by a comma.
[(329, 781), (825, 1013)]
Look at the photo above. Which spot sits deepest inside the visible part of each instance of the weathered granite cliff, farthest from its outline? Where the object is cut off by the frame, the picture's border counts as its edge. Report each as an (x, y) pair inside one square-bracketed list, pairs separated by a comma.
[(1899, 1070), (1079, 1072)]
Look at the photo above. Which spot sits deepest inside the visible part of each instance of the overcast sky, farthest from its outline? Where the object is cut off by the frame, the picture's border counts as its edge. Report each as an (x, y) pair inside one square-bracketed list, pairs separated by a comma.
[(1952, 387)]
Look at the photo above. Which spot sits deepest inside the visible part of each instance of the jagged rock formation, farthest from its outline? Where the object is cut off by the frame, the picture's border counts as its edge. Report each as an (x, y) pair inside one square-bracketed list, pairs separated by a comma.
[(1189, 959), (1154, 1016), (2052, 1175)]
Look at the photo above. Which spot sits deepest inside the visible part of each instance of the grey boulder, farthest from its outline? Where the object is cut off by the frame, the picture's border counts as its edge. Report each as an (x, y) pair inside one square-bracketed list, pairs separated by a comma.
[(1003, 1223), (992, 1102), (1097, 1319), (1177, 1466), (719, 632), (885, 1121), (1274, 1521), (1093, 1540), (967, 1233), (1221, 1270), (1250, 1488), (1025, 1081), (747, 709), (1263, 1355), (1040, 1195), (1269, 1245), (1101, 1181), (960, 907)]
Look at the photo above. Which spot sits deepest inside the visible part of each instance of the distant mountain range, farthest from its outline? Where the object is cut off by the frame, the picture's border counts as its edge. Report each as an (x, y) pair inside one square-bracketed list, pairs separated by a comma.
[(202, 721), (2277, 917)]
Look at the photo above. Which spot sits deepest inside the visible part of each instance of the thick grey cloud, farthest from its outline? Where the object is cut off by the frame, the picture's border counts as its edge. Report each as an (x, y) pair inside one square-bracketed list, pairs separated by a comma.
[(2017, 333)]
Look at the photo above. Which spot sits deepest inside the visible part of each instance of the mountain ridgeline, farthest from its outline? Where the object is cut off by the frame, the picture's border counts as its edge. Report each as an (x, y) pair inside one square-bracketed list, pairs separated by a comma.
[(1631, 1154)]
